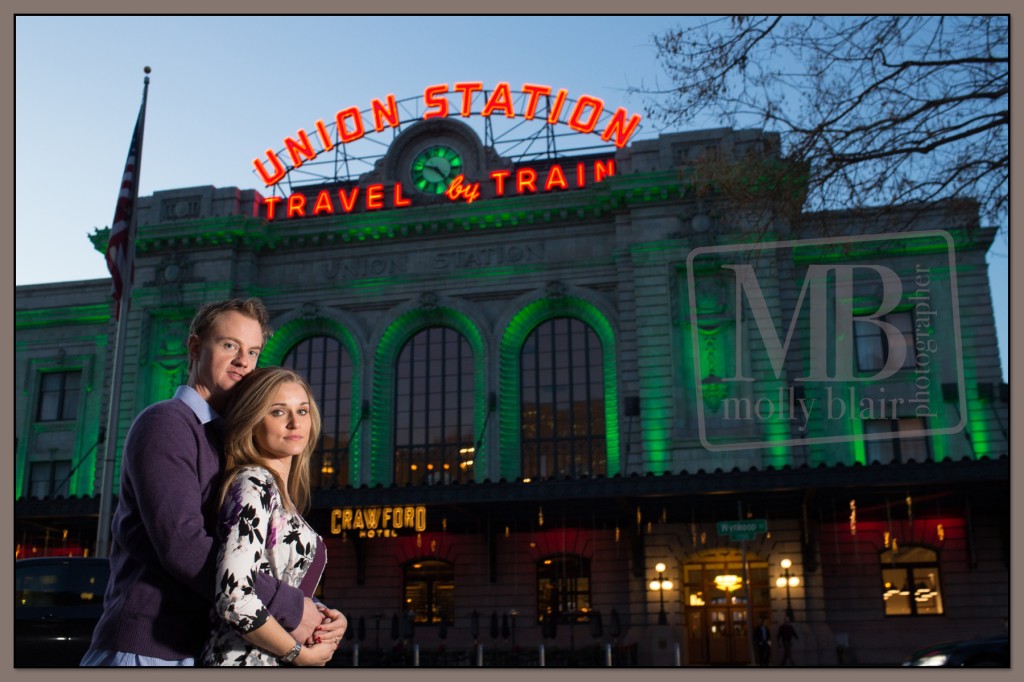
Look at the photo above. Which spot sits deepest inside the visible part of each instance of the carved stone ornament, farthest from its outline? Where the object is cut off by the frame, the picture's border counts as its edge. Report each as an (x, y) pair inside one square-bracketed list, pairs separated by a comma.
[(556, 290), (310, 310), (429, 300)]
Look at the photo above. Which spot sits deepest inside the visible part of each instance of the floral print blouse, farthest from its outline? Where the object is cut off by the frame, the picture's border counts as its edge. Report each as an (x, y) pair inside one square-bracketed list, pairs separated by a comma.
[(257, 533)]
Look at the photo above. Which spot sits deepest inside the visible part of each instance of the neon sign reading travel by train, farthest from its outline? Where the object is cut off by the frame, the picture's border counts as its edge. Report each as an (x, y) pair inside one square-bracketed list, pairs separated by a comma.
[(582, 116), (377, 196)]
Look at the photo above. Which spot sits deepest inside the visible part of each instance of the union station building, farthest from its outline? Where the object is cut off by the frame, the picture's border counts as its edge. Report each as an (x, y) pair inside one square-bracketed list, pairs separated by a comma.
[(598, 388)]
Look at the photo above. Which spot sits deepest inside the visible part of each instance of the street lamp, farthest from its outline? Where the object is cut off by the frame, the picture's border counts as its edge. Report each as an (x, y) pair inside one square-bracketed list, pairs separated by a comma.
[(659, 586), (786, 580)]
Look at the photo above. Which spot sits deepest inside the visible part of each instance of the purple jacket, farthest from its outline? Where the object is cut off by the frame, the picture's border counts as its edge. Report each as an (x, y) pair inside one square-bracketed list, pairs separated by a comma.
[(163, 550)]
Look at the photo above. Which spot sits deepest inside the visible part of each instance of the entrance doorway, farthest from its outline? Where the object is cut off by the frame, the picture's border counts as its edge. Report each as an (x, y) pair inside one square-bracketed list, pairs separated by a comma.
[(720, 606)]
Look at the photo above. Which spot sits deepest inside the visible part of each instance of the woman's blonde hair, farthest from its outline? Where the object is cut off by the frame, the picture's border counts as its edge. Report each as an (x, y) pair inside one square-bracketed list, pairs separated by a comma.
[(249, 403)]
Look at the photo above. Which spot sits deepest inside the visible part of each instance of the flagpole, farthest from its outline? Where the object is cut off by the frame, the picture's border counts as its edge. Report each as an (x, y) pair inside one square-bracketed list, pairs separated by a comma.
[(127, 275)]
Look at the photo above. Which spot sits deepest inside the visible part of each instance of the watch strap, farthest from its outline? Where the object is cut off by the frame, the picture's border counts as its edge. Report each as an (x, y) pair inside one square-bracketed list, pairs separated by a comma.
[(292, 654)]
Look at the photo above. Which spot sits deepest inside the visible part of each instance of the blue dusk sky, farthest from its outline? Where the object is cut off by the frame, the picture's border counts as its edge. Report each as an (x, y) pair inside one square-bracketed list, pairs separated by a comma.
[(225, 88)]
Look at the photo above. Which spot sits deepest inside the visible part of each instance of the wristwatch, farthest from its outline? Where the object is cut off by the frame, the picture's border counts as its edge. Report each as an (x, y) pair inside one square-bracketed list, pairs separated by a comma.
[(291, 655)]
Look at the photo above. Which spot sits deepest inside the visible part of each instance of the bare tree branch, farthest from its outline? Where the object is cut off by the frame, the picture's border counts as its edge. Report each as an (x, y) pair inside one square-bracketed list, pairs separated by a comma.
[(876, 109)]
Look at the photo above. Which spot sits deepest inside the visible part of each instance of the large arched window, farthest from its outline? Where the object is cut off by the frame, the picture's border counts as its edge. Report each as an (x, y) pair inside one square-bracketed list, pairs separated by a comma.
[(562, 391), (434, 440), (326, 365)]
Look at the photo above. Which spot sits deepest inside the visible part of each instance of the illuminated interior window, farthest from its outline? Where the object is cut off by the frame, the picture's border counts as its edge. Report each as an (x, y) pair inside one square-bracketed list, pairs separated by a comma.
[(873, 343), (896, 449), (562, 389), (563, 588), (429, 591), (58, 396), (910, 582), (326, 365), (434, 409)]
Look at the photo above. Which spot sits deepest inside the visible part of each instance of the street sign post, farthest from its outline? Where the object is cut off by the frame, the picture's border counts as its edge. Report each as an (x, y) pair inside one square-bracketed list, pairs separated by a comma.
[(742, 530)]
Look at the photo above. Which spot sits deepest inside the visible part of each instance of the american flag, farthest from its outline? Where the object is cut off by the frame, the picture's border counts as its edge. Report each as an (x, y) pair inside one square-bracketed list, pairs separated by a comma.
[(120, 259)]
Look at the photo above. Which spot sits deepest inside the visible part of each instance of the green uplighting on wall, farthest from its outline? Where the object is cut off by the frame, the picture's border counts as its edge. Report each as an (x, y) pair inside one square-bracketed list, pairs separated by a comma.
[(289, 335), (383, 410), (521, 326)]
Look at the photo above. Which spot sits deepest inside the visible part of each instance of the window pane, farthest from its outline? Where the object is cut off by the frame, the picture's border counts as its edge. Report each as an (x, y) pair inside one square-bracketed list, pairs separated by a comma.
[(873, 341), (878, 450), (563, 588), (869, 347), (433, 428), (58, 396), (430, 591), (913, 449), (326, 366), (910, 582), (562, 409), (49, 479)]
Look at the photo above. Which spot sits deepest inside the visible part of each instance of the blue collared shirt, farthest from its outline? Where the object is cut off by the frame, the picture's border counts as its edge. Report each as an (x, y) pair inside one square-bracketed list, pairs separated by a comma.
[(196, 403)]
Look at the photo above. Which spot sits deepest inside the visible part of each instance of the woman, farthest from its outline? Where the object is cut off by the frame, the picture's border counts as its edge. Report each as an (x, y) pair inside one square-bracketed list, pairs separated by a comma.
[(271, 427)]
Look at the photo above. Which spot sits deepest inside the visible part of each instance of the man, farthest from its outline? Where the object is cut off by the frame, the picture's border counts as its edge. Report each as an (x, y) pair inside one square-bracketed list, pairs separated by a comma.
[(763, 643), (163, 535), (787, 633)]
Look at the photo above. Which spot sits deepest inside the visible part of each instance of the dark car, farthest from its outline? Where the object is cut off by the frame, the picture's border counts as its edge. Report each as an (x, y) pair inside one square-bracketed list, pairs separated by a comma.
[(987, 652), (57, 602)]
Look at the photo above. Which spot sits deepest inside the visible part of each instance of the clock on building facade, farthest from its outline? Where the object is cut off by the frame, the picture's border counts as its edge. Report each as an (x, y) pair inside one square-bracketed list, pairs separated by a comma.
[(433, 169)]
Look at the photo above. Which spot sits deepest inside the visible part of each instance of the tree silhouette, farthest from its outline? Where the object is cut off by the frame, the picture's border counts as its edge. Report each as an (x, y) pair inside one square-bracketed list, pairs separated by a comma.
[(877, 110)]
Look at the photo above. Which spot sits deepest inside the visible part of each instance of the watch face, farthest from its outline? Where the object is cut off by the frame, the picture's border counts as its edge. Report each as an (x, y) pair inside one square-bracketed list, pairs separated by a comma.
[(434, 168)]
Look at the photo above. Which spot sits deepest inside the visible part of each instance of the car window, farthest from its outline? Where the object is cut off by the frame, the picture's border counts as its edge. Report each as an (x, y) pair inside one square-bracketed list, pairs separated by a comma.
[(60, 585)]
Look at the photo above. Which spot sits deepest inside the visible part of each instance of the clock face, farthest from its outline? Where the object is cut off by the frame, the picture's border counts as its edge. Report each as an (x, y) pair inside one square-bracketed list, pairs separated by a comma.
[(434, 168)]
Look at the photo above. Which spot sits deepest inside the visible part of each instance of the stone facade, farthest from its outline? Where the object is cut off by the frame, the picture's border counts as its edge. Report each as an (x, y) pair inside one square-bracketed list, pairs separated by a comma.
[(638, 256)]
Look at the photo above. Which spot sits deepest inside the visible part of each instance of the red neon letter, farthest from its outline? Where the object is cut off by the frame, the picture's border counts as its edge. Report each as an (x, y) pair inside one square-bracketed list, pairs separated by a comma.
[(581, 175), (603, 169), (618, 127), (400, 199), (432, 97), (268, 178), (351, 113), (556, 178), (325, 139), (375, 197), (380, 114), (301, 146), (535, 91), (271, 203), (323, 203), (556, 110), (348, 201), (467, 90), (596, 107), (499, 181), (526, 179), (501, 98), (296, 205)]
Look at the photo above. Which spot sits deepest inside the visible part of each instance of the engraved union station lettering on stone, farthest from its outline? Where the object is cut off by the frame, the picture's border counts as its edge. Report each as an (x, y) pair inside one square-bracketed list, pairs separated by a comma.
[(432, 262), (488, 257), (358, 268)]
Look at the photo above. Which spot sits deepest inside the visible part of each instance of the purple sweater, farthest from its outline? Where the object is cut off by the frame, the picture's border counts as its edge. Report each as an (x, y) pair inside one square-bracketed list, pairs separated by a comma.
[(163, 541)]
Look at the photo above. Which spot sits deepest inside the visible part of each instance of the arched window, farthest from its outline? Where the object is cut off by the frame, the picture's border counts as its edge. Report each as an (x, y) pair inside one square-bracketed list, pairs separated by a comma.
[(429, 591), (434, 440), (562, 389), (563, 588), (326, 365), (910, 582)]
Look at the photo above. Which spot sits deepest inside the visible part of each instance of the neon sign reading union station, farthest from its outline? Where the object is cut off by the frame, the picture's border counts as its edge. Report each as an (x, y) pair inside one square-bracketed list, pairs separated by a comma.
[(439, 170)]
